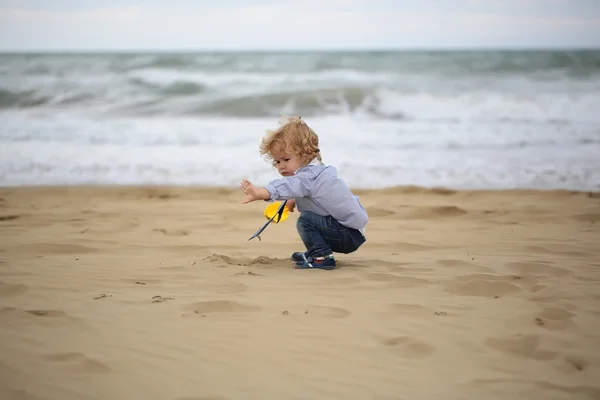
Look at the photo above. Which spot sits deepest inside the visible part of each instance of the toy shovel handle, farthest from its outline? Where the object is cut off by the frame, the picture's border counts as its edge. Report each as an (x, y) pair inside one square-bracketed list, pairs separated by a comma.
[(279, 212)]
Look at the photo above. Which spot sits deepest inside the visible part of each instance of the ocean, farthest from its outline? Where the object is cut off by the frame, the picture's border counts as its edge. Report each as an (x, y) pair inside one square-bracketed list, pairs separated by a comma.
[(460, 120)]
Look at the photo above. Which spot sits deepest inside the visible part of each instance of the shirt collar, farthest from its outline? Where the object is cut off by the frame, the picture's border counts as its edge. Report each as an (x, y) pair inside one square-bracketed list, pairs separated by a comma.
[(315, 161)]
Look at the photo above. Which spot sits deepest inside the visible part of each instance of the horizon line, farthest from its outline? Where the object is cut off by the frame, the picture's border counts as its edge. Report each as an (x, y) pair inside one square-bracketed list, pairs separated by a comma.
[(300, 50)]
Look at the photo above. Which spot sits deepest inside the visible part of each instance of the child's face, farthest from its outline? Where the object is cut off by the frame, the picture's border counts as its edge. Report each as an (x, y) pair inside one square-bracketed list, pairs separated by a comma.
[(286, 162)]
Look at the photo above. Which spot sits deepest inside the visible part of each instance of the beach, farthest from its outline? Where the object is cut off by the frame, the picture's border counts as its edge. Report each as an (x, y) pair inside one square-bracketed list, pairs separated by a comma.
[(155, 292), (125, 266)]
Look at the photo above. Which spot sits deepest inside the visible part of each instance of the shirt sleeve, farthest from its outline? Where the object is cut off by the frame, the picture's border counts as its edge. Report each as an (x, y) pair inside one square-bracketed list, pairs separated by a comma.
[(288, 188)]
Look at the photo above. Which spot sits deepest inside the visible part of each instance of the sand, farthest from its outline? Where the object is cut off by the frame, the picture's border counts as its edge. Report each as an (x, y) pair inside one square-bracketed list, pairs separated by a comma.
[(155, 293)]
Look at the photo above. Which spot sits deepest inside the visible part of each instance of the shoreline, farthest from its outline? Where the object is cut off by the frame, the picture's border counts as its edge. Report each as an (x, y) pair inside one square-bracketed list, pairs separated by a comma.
[(197, 187)]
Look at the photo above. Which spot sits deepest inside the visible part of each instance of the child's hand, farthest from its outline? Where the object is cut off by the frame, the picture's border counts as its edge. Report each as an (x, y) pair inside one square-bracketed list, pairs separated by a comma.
[(291, 204), (252, 192)]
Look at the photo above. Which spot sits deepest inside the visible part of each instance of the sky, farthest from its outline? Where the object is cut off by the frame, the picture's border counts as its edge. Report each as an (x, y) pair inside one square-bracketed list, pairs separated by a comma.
[(96, 25)]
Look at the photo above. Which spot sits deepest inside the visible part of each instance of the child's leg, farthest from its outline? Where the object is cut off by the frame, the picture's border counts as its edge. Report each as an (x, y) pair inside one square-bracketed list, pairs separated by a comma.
[(311, 227), (324, 235)]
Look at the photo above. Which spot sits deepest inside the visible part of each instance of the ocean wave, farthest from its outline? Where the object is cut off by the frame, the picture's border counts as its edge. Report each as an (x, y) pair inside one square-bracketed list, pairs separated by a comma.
[(175, 88), (471, 62), (184, 98), (456, 87)]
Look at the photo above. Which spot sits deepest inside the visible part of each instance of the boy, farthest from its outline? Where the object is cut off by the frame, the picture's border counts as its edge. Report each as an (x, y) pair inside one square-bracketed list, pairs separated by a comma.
[(332, 218)]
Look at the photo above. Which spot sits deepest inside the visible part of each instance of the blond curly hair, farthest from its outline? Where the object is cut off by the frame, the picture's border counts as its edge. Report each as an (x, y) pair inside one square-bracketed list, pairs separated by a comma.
[(293, 136)]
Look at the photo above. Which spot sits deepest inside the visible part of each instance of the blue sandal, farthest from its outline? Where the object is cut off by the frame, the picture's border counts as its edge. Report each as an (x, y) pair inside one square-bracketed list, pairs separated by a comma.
[(327, 263)]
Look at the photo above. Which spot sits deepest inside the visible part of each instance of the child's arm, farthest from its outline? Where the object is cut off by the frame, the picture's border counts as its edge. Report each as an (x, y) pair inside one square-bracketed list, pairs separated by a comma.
[(286, 189), (289, 188), (253, 193)]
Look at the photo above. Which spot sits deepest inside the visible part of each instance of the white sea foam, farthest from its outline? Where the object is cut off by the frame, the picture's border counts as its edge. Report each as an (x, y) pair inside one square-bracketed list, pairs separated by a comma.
[(462, 120), (222, 152)]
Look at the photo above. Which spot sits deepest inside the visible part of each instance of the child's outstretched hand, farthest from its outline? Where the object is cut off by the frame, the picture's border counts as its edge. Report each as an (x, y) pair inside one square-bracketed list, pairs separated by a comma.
[(252, 192)]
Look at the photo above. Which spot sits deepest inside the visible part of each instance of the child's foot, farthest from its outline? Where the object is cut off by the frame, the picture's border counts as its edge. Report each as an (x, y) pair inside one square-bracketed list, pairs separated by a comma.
[(298, 256), (327, 263)]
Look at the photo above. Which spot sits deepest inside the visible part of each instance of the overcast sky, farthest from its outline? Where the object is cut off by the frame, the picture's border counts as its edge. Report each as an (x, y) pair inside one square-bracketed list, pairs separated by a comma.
[(299, 24)]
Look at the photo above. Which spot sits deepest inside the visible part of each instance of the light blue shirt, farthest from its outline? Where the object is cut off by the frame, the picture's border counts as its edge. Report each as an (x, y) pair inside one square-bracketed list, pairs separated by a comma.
[(317, 188)]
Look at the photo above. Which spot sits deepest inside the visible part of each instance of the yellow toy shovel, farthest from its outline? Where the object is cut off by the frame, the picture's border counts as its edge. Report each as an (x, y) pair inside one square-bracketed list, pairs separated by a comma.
[(275, 212)]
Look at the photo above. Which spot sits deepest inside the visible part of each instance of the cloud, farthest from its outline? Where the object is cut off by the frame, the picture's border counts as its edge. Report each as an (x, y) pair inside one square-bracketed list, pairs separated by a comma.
[(287, 24), (102, 14)]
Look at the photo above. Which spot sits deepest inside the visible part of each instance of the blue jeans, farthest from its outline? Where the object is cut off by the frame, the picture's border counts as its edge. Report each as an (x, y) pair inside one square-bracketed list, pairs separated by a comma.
[(325, 235)]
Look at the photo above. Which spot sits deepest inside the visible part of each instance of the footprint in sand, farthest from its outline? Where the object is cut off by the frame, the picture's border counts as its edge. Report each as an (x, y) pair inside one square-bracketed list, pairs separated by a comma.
[(172, 232), (486, 285), (229, 287), (11, 289), (555, 249), (538, 269), (571, 391), (141, 282), (313, 310), (408, 346), (527, 346), (574, 363), (174, 268), (455, 263), (551, 294), (402, 247), (333, 281), (555, 319), (220, 307), (401, 268), (587, 217), (327, 311), (396, 280), (41, 316), (76, 363), (542, 389), (47, 313), (53, 248), (407, 308), (9, 217)]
